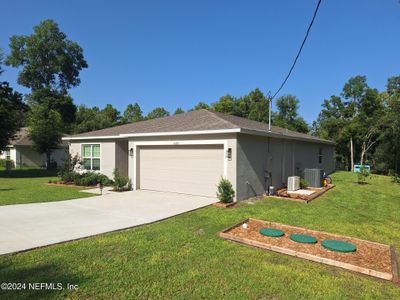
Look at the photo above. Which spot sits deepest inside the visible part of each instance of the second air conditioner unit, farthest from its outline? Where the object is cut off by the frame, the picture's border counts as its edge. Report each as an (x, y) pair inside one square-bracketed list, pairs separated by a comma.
[(293, 183)]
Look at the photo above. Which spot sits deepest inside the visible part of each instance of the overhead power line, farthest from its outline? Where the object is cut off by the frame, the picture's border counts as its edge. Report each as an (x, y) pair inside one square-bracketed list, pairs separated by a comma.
[(301, 48)]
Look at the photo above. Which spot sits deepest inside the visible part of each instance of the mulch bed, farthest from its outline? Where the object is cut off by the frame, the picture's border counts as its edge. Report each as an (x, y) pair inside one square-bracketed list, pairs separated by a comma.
[(371, 258), (224, 205), (282, 193)]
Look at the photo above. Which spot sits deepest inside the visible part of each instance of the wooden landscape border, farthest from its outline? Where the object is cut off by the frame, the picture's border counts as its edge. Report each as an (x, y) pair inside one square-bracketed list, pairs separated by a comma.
[(393, 276), (318, 192)]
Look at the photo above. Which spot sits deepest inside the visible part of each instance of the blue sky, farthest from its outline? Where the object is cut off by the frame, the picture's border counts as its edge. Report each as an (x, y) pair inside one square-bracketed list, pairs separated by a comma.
[(177, 53)]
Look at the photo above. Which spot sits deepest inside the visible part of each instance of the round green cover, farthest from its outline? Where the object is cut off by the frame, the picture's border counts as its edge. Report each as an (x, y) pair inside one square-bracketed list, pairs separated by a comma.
[(303, 238), (272, 232), (339, 246)]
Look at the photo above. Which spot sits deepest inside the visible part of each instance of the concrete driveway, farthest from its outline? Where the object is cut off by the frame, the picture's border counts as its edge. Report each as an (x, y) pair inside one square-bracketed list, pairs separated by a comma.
[(27, 226)]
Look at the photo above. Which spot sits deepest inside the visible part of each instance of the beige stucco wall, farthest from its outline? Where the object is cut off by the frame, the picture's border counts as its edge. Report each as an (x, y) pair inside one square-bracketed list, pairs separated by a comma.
[(230, 140), (107, 153), (26, 156), (264, 161), (257, 162), (121, 156)]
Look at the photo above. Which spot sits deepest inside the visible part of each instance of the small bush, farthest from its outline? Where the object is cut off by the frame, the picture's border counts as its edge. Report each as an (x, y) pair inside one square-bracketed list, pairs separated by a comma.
[(67, 171), (7, 164), (225, 191), (363, 175), (396, 178), (119, 180), (303, 183)]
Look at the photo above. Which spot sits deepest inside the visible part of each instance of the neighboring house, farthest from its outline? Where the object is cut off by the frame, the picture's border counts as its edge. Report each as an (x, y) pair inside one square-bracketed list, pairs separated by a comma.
[(21, 152), (189, 152)]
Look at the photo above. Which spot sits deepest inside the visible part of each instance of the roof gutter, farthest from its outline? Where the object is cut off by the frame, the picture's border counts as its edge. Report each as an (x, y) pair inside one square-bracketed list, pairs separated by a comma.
[(199, 132), (284, 136), (169, 133)]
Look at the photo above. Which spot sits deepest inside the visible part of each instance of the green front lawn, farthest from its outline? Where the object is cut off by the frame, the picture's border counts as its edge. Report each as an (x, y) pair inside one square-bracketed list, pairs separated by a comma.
[(30, 186), (183, 257)]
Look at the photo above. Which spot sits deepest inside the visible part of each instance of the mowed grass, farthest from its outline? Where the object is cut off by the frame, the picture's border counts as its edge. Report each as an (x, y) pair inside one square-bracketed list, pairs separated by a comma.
[(30, 186), (183, 258)]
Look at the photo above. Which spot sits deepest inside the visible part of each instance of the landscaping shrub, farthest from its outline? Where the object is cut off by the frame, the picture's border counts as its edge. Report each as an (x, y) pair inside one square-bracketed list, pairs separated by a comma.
[(90, 178), (6, 162), (225, 191), (396, 178), (303, 183), (67, 171), (363, 175), (119, 181)]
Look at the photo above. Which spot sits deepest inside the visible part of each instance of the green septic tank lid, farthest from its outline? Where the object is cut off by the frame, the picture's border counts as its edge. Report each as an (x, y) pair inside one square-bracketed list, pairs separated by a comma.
[(272, 232), (303, 238), (339, 246)]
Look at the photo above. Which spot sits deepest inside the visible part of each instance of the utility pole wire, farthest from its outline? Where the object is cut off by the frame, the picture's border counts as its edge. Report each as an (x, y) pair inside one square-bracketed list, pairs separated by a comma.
[(301, 48)]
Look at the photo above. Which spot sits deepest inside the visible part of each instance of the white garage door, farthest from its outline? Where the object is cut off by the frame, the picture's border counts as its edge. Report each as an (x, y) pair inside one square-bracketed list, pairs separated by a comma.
[(194, 169)]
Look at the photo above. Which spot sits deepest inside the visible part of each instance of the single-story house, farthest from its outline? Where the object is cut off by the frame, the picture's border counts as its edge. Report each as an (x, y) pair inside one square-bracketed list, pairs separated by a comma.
[(21, 152), (190, 152)]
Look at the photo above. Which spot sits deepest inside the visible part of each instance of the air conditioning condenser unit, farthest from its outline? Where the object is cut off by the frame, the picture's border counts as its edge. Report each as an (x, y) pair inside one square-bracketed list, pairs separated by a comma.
[(293, 183)]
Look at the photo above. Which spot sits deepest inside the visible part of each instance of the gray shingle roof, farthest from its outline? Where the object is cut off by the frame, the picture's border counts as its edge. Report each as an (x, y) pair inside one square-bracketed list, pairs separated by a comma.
[(21, 138), (198, 120)]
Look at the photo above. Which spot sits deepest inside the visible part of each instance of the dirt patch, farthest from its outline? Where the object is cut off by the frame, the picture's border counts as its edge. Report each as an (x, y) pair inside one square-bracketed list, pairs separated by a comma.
[(224, 205), (370, 258)]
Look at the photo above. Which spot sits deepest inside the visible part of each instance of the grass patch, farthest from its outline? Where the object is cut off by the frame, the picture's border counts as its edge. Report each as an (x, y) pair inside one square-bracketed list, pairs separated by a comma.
[(175, 259), (20, 190)]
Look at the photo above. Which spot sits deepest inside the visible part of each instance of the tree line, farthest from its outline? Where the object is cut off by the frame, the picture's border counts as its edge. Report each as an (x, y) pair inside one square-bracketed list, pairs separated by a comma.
[(363, 121), (254, 106)]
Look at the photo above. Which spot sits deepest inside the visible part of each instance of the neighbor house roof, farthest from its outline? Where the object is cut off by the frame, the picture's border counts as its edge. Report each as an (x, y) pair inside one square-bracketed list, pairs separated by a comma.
[(21, 138), (198, 121)]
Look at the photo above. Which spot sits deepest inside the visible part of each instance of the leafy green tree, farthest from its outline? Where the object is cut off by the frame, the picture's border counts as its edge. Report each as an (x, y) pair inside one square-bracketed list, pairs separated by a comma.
[(225, 104), (386, 157), (287, 115), (393, 85), (179, 111), (158, 112), (250, 103), (133, 113), (259, 111), (48, 59), (12, 111), (331, 124), (354, 122), (45, 127), (87, 119), (110, 116), (201, 105), (58, 101)]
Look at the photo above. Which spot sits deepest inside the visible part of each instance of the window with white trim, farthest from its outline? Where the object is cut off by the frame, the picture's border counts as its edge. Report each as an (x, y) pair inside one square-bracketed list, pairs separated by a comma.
[(91, 157)]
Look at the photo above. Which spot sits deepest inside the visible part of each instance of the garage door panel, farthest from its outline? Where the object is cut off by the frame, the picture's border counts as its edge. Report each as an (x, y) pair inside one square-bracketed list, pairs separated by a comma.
[(184, 169)]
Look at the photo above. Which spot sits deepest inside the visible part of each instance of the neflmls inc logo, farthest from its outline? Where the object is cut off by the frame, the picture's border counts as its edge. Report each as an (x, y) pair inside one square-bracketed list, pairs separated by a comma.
[(46, 286)]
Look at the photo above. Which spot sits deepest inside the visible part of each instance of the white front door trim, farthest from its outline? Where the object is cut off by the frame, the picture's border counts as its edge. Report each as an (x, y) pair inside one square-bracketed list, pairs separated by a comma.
[(177, 143)]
